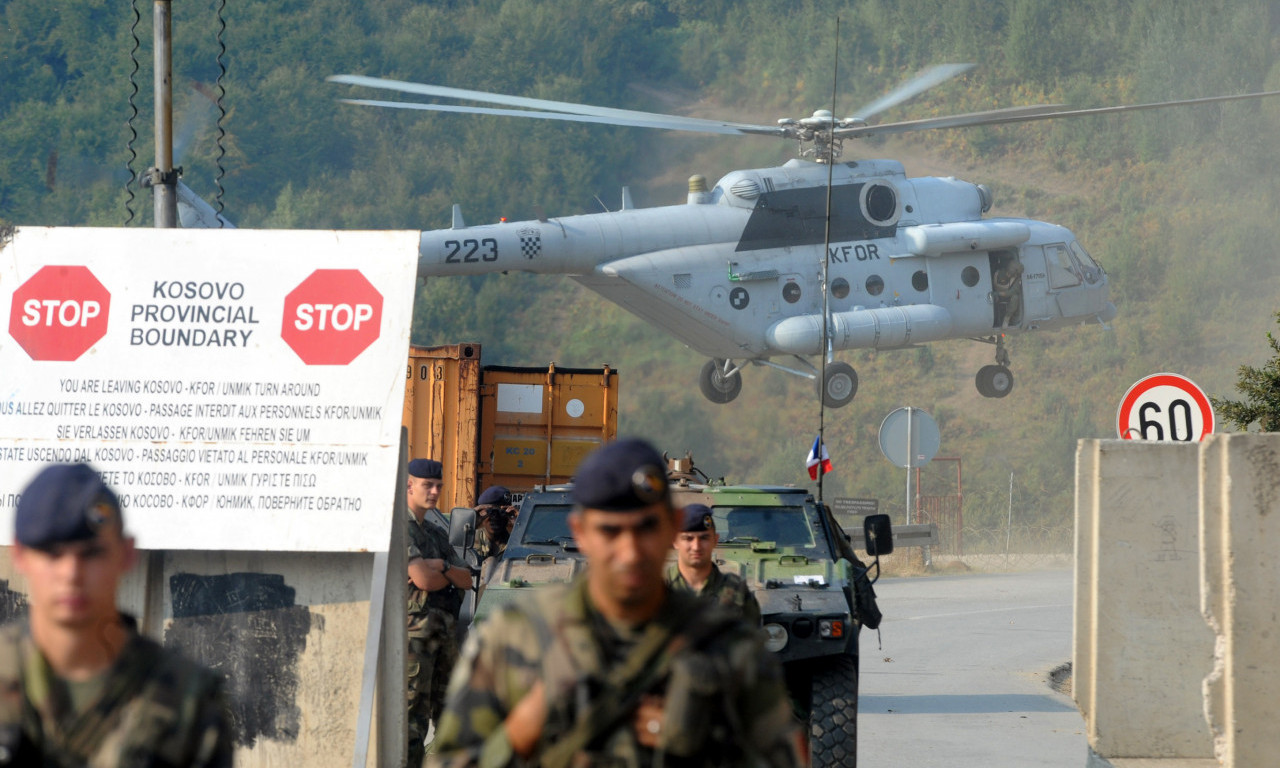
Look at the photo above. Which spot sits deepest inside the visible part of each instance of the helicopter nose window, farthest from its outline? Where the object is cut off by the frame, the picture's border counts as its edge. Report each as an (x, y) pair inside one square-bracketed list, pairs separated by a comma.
[(1092, 271), (969, 276), (920, 280), (791, 292), (839, 287), (875, 285), (1062, 270)]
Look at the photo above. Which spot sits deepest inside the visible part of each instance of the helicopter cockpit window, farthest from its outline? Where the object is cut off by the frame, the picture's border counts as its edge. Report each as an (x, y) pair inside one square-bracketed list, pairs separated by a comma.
[(920, 280), (839, 287), (1062, 270), (969, 276), (1092, 272), (875, 284)]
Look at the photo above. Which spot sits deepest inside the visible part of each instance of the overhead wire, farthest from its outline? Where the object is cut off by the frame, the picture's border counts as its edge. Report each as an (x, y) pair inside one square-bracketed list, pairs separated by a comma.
[(826, 261), (222, 112), (133, 114)]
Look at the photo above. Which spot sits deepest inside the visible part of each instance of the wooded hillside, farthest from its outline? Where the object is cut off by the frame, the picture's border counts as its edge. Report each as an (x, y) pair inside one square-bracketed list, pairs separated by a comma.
[(1178, 205)]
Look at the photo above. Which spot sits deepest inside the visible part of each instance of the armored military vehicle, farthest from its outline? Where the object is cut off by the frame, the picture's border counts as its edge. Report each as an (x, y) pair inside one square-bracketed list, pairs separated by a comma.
[(814, 593)]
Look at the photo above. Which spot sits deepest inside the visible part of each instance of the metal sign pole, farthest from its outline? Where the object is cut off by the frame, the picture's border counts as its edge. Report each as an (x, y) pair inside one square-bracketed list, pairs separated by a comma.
[(909, 449)]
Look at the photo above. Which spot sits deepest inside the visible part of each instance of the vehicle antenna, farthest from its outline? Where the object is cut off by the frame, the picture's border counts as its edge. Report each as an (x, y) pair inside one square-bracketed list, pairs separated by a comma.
[(826, 248)]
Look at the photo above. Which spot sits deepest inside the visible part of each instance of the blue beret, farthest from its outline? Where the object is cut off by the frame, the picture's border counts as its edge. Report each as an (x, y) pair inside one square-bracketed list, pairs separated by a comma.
[(621, 476), (697, 517), (494, 495), (428, 468), (65, 502)]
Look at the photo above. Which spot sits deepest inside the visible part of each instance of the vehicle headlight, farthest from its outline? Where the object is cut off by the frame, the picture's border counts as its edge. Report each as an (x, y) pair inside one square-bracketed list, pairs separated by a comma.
[(775, 637), (831, 628)]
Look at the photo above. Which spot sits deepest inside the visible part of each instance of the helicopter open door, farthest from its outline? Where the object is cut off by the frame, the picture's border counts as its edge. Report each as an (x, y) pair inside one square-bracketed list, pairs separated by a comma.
[(1006, 288)]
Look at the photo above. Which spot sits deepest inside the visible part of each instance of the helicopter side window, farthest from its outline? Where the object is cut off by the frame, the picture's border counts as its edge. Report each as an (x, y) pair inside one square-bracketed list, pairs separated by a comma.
[(920, 280), (1062, 270), (1092, 272), (875, 284)]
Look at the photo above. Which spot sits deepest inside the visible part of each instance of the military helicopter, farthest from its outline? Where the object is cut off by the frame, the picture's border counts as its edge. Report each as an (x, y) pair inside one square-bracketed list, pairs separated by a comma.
[(739, 274)]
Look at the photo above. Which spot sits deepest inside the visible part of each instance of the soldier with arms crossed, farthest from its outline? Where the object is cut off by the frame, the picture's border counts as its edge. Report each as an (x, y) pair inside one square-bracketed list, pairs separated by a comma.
[(78, 685), (616, 668), (696, 570), (437, 577)]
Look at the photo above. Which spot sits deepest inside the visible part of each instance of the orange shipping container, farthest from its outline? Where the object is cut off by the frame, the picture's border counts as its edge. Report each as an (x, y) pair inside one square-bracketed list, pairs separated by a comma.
[(501, 425), (442, 413), (537, 424)]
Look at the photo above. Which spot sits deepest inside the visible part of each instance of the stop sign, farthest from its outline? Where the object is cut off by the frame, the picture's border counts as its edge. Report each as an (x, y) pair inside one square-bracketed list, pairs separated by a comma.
[(332, 316), (59, 313)]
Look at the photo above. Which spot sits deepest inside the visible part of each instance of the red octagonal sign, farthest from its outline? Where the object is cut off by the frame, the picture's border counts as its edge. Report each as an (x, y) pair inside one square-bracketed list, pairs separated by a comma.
[(332, 316), (59, 313)]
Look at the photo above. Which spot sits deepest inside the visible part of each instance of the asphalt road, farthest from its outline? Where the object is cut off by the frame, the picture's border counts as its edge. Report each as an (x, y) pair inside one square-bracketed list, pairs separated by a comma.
[(962, 676)]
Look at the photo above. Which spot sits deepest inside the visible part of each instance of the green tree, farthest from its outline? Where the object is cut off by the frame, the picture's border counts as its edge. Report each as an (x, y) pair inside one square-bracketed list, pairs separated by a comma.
[(1261, 390)]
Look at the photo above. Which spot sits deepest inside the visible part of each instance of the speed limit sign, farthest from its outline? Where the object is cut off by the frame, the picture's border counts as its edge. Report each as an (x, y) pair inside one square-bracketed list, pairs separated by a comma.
[(1165, 407)]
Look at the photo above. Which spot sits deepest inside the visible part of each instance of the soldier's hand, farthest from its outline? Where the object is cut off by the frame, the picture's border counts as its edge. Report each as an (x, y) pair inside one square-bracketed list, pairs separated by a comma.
[(648, 721), (528, 716)]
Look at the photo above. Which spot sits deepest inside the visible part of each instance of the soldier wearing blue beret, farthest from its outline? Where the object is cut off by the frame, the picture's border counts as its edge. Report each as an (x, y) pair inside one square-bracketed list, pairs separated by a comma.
[(426, 481), (78, 684), (695, 569), (615, 668), (437, 579)]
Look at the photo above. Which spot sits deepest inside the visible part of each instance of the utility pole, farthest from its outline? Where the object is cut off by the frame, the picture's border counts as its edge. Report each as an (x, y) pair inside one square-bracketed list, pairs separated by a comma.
[(162, 178)]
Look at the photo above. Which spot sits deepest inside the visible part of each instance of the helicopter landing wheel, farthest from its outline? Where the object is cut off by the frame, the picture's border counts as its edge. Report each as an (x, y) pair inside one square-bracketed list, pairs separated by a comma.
[(994, 381), (716, 385), (839, 385)]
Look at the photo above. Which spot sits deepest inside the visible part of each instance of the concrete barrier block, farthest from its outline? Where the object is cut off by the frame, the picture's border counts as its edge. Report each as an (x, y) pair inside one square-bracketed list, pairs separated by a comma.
[(1083, 634), (1240, 532), (1140, 634)]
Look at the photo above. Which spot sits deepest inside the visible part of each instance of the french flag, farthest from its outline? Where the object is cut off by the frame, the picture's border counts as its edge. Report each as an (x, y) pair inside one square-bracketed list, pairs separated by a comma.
[(818, 462)]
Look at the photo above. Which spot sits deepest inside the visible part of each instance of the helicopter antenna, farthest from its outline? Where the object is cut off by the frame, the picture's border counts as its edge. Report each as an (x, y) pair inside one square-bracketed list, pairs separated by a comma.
[(826, 261)]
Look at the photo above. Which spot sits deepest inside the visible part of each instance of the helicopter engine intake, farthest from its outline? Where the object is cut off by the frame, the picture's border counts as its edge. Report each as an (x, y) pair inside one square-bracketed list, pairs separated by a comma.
[(879, 328)]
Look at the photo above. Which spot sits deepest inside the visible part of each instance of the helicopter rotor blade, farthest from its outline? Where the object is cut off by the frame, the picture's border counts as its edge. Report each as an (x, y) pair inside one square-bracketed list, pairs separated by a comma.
[(985, 117), (657, 121), (541, 107), (1028, 114), (923, 81)]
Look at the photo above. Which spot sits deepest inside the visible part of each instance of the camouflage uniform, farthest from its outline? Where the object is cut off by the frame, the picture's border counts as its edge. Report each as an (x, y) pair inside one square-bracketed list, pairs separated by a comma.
[(485, 547), (433, 646), (154, 708), (727, 590), (725, 702)]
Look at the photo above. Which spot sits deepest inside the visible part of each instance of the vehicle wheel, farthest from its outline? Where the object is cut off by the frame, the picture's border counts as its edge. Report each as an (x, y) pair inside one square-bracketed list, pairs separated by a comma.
[(833, 719), (840, 384), (994, 381), (717, 387)]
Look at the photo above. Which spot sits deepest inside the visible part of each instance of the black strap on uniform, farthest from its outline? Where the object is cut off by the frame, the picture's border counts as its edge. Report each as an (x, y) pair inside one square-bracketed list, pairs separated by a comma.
[(624, 685)]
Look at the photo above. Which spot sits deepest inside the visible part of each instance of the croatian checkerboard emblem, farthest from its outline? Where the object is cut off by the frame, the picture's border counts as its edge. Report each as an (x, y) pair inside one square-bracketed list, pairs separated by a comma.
[(530, 242)]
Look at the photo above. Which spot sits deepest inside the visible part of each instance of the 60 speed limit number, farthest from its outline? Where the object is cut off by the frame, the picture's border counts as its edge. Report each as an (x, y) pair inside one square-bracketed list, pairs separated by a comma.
[(1165, 407)]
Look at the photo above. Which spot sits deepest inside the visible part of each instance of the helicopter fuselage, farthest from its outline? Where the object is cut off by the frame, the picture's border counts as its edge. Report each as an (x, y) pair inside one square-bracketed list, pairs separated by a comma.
[(737, 272)]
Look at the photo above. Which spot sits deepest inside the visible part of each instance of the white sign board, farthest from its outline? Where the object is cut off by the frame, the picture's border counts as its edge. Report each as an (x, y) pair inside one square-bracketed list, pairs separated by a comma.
[(238, 389), (1165, 407)]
